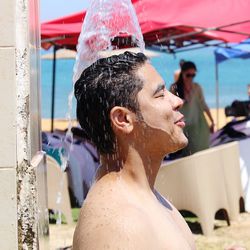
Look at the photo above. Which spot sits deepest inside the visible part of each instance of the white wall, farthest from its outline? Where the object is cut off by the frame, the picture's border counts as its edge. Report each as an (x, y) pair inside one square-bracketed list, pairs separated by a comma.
[(8, 196), (20, 122)]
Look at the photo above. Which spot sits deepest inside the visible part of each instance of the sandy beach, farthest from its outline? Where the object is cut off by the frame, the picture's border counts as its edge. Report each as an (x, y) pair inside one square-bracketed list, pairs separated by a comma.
[(63, 123), (60, 124)]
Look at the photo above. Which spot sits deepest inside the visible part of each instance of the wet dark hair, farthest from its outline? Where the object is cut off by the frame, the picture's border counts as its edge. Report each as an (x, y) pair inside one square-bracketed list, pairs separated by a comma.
[(179, 84), (107, 83)]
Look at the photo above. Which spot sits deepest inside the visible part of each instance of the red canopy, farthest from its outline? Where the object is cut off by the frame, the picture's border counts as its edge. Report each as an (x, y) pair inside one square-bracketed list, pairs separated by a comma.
[(219, 19), (166, 21), (62, 31)]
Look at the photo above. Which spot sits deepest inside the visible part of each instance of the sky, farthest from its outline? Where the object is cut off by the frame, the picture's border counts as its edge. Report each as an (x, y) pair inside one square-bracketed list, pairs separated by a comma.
[(52, 9)]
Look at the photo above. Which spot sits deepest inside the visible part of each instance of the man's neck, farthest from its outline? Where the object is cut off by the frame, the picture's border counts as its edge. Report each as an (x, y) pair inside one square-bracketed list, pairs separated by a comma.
[(134, 166)]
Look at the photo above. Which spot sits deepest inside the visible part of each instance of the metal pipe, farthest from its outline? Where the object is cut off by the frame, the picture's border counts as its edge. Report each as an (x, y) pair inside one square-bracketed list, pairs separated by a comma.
[(217, 94), (53, 88)]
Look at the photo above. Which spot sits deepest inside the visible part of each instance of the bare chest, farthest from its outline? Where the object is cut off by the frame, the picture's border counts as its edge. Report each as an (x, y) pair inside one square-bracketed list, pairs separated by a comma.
[(169, 229)]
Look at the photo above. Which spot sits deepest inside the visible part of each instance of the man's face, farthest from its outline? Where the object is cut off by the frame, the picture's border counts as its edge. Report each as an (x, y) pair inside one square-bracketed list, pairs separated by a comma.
[(162, 122)]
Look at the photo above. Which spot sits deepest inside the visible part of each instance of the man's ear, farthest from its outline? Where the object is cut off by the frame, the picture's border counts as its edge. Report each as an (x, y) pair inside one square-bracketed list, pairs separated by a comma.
[(122, 119)]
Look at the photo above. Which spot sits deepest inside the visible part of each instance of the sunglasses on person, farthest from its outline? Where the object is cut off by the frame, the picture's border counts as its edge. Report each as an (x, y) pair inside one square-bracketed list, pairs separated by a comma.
[(190, 75)]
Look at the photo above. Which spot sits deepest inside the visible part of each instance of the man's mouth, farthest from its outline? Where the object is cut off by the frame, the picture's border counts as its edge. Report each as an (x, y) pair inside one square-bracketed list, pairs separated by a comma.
[(180, 122)]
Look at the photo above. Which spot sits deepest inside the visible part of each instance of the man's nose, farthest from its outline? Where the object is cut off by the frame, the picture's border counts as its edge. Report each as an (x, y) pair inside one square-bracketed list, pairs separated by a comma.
[(177, 102)]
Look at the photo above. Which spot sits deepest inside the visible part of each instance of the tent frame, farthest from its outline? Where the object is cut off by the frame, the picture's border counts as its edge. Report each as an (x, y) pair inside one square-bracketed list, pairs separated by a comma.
[(55, 48)]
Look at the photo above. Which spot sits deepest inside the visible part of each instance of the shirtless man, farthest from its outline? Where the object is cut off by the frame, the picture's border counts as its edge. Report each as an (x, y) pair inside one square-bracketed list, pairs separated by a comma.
[(125, 108)]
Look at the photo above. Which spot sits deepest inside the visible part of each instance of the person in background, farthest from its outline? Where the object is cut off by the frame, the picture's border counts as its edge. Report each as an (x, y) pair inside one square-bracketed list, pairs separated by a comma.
[(178, 71), (197, 129), (134, 121)]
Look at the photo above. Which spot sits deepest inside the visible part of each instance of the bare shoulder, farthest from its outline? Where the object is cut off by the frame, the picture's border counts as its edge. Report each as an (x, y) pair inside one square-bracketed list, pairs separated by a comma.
[(115, 224), (110, 218)]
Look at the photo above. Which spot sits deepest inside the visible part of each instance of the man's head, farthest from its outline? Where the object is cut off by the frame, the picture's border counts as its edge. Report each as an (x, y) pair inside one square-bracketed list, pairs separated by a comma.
[(107, 83), (123, 97)]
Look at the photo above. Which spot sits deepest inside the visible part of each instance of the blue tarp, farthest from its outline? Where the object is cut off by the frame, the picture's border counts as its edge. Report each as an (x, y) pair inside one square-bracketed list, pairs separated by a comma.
[(240, 50)]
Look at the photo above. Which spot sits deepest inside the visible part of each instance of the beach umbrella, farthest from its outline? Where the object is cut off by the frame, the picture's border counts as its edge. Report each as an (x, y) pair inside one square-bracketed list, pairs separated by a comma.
[(240, 50)]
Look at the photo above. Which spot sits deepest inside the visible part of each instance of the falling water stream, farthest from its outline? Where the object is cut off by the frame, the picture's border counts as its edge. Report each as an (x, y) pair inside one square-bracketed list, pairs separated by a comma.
[(109, 25)]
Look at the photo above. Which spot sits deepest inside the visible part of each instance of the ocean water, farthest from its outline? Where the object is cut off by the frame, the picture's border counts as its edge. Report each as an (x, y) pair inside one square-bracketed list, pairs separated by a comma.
[(234, 77)]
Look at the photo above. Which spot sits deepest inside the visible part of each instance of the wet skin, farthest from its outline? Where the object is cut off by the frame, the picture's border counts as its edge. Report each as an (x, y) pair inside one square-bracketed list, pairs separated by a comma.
[(159, 109), (121, 210)]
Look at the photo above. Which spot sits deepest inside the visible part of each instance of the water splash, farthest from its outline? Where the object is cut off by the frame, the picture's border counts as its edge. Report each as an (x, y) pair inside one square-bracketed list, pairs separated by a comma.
[(108, 25), (68, 139)]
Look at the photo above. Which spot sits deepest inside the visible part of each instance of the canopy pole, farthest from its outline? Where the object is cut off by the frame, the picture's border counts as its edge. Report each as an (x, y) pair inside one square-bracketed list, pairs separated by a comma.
[(53, 88), (217, 94)]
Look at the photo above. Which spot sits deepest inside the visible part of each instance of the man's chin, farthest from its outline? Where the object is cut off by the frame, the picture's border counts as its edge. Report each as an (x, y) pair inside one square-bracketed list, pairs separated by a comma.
[(182, 144)]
